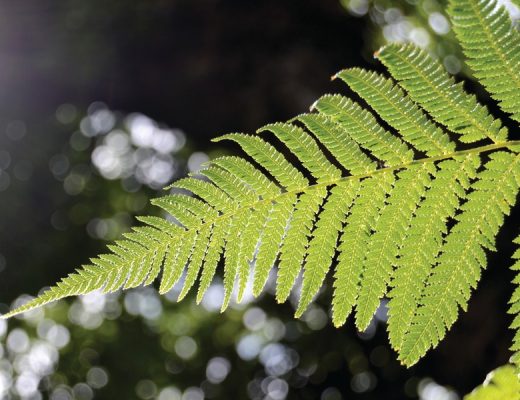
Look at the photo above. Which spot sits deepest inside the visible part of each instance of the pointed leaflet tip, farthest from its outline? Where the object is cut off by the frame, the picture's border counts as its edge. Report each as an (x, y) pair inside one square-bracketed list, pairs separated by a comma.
[(313, 106)]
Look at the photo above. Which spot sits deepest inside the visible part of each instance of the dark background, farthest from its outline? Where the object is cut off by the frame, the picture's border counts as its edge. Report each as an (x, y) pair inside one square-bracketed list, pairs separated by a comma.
[(207, 67)]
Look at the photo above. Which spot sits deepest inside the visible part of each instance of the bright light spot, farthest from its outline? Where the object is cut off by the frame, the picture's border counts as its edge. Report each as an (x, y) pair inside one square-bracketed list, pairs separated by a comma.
[(213, 297), (5, 383), (331, 394), (193, 393), (185, 347), (196, 160), (249, 346), (105, 159), (143, 302), (93, 302), (218, 369), (164, 141), (357, 7), (439, 23), (61, 393), (170, 393), (27, 384), (102, 120), (82, 391), (316, 318), (420, 37), (141, 129), (430, 390), (274, 329), (277, 389), (18, 341), (118, 141), (79, 314), (58, 336), (254, 319), (97, 377), (41, 358)]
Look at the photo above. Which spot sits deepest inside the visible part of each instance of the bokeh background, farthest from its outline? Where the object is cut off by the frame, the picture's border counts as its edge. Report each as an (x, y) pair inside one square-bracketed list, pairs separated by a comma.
[(102, 103)]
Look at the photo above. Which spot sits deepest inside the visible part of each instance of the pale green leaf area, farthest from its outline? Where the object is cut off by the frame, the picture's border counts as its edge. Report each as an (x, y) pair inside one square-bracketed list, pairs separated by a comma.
[(400, 197), (500, 384)]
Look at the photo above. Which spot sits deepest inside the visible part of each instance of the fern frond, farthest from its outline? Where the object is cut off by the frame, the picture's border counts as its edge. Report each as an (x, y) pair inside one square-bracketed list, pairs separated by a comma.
[(345, 150), (398, 110), (249, 174), (390, 229), (304, 147), (426, 232), (215, 250), (230, 184), (492, 45), (323, 244), (363, 128), (208, 192), (502, 383), (271, 238), (430, 86), (199, 253), (515, 309), (458, 270), (269, 158), (294, 247), (356, 234), (399, 209)]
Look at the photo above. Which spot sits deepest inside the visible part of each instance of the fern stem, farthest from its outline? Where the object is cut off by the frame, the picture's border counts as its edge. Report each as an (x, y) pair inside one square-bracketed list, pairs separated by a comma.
[(482, 149)]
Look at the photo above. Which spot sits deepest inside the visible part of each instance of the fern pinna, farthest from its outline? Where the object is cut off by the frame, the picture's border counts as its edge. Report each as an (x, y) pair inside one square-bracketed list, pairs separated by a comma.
[(404, 209)]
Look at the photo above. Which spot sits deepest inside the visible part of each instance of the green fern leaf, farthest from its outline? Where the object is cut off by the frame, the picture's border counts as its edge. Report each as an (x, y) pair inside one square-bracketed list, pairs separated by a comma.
[(408, 209), (269, 158), (398, 110), (272, 237), (492, 45), (502, 383), (390, 229), (356, 234), (345, 150), (323, 244), (303, 146), (215, 249), (363, 128), (199, 253), (515, 309), (294, 247), (249, 174), (458, 270), (430, 86), (426, 232)]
